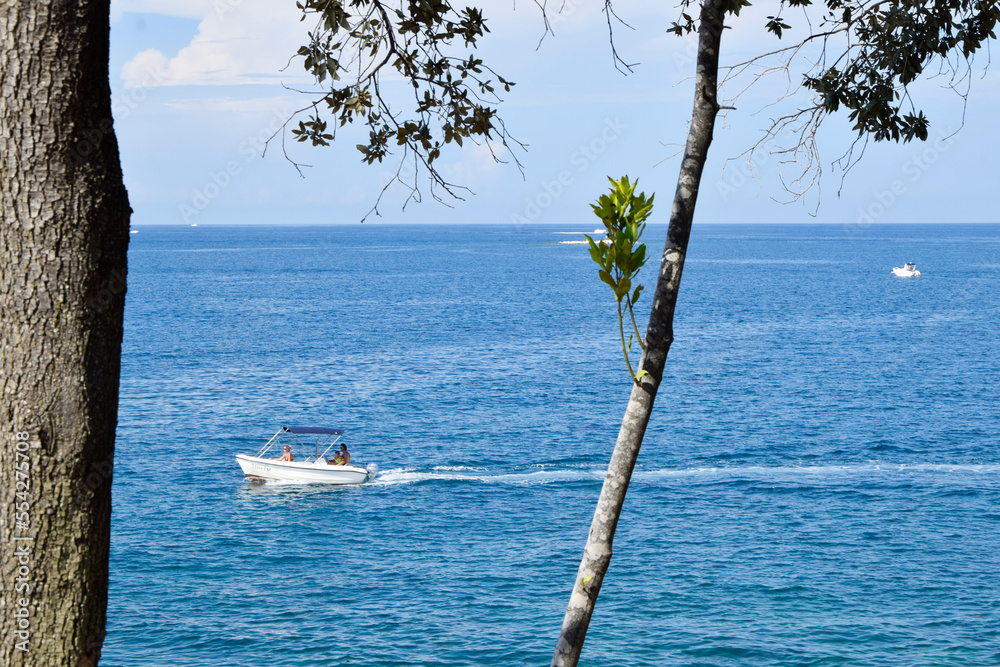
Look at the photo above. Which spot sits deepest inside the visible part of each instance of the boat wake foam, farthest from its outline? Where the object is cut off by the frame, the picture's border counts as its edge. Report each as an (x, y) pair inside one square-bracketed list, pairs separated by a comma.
[(811, 474)]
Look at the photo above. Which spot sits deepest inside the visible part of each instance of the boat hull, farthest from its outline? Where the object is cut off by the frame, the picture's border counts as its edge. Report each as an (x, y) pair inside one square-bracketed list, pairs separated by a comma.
[(267, 470), (905, 273)]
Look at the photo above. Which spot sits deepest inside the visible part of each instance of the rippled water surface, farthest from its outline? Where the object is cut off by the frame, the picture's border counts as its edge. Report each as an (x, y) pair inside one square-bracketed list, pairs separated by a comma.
[(819, 485)]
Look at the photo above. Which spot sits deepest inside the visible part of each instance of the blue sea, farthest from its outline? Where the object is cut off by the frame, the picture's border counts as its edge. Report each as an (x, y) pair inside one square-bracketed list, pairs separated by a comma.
[(819, 484)]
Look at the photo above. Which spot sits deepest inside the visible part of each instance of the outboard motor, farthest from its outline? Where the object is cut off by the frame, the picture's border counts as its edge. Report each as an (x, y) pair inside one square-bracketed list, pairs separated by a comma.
[(372, 469)]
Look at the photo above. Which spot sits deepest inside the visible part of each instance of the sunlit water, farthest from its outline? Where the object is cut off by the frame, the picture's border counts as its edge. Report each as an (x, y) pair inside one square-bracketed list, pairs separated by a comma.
[(819, 485)]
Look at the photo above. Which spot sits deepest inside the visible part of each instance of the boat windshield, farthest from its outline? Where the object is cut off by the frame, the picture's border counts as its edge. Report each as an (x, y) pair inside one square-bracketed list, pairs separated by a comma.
[(309, 440)]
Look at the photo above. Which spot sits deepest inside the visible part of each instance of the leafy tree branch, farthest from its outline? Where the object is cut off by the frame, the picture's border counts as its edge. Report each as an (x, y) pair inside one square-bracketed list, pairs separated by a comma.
[(862, 57), (356, 47)]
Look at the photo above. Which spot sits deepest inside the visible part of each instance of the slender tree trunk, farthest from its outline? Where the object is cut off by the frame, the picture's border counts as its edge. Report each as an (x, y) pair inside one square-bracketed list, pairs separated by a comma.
[(65, 218), (659, 336)]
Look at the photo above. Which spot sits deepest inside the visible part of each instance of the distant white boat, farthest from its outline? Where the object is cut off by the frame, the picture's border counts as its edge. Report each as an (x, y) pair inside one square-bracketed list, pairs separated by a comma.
[(134, 231), (602, 232), (907, 270), (195, 224), (312, 468)]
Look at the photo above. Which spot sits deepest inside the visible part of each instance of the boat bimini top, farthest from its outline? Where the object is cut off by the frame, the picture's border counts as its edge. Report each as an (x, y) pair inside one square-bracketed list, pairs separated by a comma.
[(325, 439)]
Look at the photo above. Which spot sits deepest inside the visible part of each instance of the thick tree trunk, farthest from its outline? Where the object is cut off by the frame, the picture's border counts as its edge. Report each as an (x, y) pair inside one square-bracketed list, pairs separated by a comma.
[(659, 336), (65, 219)]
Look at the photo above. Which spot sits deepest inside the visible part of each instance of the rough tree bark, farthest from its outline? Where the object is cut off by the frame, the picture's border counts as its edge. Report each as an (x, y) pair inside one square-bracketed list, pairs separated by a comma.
[(659, 336), (65, 219)]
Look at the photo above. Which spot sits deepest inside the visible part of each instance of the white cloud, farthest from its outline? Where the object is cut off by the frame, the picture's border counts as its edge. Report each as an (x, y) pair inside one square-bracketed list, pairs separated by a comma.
[(146, 69), (238, 42), (251, 41)]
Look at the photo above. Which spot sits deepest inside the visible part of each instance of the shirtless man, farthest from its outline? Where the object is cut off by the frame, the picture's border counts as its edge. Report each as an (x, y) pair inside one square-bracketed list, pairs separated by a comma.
[(287, 456)]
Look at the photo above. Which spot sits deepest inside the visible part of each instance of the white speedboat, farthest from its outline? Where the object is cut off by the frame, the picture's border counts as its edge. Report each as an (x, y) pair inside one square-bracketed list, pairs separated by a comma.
[(908, 270), (312, 467), (585, 241)]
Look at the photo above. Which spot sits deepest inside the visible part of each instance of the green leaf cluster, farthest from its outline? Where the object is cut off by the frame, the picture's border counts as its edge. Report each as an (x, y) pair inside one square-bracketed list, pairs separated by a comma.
[(620, 255)]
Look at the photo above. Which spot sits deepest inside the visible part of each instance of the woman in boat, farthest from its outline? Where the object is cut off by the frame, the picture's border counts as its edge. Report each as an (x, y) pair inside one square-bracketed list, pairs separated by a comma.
[(287, 456)]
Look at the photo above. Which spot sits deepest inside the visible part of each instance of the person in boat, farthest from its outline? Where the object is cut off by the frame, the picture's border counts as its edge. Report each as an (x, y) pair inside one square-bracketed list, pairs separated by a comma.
[(341, 458), (287, 456)]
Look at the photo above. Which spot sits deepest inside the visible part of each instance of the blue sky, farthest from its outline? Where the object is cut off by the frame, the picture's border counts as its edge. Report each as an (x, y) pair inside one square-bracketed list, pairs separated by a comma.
[(197, 87)]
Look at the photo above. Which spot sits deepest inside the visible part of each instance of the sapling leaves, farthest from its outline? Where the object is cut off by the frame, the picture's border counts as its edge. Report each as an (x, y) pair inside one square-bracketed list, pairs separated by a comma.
[(619, 254)]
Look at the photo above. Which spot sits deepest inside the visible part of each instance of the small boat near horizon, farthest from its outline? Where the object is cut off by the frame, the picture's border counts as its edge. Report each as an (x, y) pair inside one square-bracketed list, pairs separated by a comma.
[(907, 270), (314, 468), (602, 232)]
